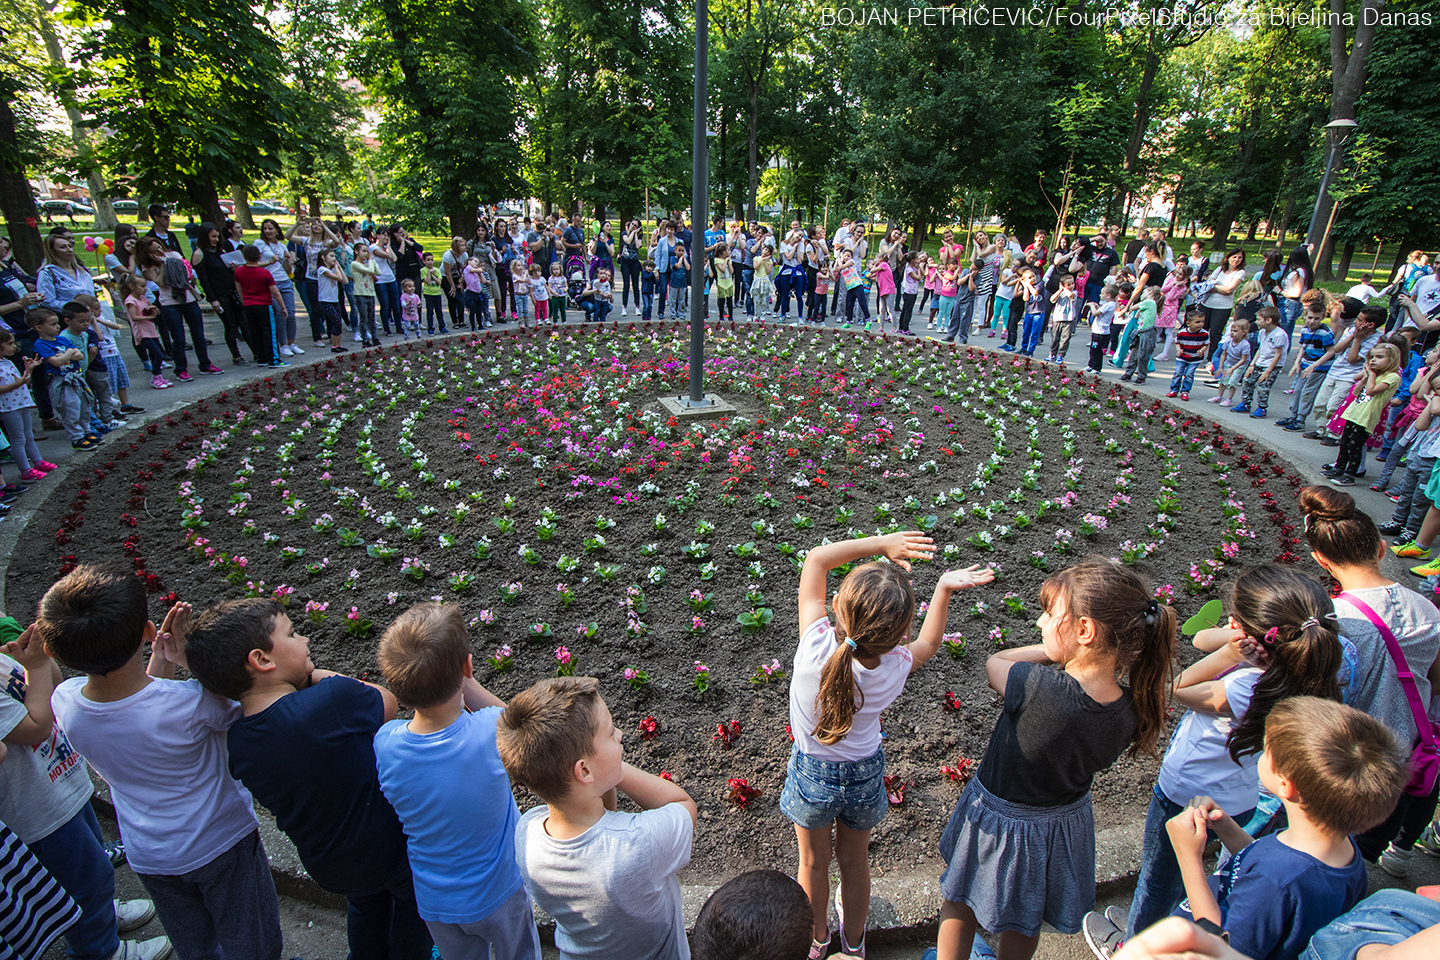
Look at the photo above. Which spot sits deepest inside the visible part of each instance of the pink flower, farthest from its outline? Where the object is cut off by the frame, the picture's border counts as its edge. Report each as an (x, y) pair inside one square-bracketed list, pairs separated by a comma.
[(562, 654)]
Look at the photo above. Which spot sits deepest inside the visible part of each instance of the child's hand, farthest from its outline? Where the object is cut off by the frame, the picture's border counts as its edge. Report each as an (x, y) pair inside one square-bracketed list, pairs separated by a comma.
[(1187, 830), (906, 546), (174, 631), (27, 650), (1175, 938), (971, 576)]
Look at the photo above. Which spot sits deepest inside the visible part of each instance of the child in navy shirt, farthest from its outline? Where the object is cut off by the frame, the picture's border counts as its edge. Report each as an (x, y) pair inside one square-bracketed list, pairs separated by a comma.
[(1338, 771), (65, 364), (304, 748)]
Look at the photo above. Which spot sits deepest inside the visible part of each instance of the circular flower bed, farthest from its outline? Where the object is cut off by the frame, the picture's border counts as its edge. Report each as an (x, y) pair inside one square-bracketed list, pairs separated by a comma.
[(533, 479)]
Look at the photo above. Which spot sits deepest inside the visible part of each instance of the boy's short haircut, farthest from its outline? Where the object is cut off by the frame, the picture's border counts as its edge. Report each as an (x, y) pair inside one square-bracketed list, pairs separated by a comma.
[(73, 309), (545, 730), (251, 253), (218, 649), (1110, 290), (1268, 313), (423, 653), (91, 302), (1366, 278), (759, 915), (1194, 315), (39, 315), (1347, 766), (93, 619), (1374, 315)]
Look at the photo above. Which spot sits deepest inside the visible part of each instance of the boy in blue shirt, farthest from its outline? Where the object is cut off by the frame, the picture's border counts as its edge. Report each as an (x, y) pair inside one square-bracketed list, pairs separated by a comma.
[(304, 748), (442, 773), (649, 280), (69, 393), (1312, 362)]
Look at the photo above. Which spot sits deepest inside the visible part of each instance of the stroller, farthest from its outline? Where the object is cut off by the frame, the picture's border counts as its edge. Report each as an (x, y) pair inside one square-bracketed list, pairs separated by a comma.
[(574, 287)]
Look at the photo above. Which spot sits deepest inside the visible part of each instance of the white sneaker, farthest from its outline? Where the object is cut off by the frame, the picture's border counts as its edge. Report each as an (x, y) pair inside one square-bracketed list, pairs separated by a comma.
[(295, 348), (846, 950), (357, 336), (133, 914), (156, 948), (286, 352)]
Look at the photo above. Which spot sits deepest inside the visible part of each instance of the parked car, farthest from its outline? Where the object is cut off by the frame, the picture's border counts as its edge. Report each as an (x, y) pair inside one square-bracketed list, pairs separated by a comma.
[(129, 208), (333, 208), (266, 208), (67, 207)]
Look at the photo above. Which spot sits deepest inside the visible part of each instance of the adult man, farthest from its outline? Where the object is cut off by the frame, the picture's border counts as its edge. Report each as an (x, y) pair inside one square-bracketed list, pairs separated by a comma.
[(160, 227), (1103, 257), (572, 238)]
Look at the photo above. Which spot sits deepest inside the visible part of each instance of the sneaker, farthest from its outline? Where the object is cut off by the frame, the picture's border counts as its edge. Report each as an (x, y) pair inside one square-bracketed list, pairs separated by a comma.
[(239, 362), (85, 444), (339, 349), (156, 948), (1172, 394), (295, 348), (1394, 497), (1390, 528), (1411, 551), (46, 465), (1344, 480), (1329, 442), (1126, 378), (159, 383), (845, 949), (116, 852), (1429, 843), (1294, 427), (30, 476), (1118, 916), (278, 363), (211, 369), (1241, 407), (131, 408), (1103, 937), (184, 376), (1216, 400), (285, 351), (1429, 569), (1329, 470), (980, 950), (1282, 423), (1184, 396), (1395, 861), (1259, 414), (133, 914), (819, 950), (1311, 435), (13, 489)]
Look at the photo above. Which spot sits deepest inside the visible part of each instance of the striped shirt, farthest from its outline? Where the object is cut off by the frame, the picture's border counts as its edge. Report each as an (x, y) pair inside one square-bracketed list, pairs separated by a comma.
[(1193, 345), (34, 908)]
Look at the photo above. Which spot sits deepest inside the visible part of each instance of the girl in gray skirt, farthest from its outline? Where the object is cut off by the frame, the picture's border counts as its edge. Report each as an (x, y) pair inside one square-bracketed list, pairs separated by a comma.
[(1020, 846)]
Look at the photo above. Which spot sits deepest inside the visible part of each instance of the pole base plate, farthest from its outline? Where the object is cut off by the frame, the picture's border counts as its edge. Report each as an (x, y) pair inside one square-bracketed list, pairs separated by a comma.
[(710, 407)]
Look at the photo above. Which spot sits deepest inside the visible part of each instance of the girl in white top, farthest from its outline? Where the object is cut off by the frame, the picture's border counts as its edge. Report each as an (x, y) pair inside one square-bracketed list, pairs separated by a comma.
[(837, 768)]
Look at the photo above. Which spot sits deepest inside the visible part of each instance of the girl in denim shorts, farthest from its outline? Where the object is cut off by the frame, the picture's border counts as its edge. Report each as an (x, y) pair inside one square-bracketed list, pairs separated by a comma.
[(844, 675)]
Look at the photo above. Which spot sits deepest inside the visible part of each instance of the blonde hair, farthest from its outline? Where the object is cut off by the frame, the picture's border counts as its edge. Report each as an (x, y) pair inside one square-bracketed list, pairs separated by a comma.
[(1392, 354)]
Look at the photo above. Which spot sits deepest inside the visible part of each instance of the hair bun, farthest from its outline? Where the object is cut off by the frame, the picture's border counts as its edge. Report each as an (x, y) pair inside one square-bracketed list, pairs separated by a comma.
[(1325, 504)]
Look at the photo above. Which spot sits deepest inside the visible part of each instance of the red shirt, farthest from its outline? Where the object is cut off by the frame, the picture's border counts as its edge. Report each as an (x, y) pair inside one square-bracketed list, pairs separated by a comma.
[(254, 283)]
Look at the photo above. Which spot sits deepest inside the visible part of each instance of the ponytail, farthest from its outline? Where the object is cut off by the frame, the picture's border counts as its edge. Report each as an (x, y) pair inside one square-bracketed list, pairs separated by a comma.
[(874, 609), (1337, 531), (1292, 617)]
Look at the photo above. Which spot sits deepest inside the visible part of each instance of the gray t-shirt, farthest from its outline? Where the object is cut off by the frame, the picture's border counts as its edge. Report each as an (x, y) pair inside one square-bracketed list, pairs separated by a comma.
[(1416, 625), (613, 890), (43, 786), (1343, 369)]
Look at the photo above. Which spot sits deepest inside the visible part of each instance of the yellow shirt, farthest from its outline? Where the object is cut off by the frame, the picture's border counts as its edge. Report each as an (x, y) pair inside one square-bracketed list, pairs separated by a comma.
[(1366, 410)]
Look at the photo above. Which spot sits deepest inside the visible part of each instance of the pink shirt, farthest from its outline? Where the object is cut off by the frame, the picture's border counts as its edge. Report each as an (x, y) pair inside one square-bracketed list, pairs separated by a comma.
[(884, 279), (410, 306)]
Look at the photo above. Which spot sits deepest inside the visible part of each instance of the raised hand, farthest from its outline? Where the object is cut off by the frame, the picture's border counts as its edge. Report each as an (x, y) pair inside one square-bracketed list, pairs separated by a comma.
[(908, 545), (971, 576)]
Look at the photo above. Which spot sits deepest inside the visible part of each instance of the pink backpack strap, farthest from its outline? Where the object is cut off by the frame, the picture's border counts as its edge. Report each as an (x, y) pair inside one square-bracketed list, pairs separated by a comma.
[(1402, 669)]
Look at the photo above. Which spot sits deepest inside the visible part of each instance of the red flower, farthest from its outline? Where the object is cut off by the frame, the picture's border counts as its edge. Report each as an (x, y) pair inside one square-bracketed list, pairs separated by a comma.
[(962, 771), (727, 734), (741, 793), (953, 702), (649, 727)]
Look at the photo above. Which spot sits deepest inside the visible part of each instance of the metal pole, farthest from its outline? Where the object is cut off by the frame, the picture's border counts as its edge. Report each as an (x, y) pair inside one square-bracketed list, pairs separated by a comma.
[(699, 209), (1324, 186)]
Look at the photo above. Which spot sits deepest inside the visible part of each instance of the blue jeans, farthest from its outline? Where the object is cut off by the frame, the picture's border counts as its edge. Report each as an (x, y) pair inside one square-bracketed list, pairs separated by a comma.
[(1184, 379), (819, 792), (388, 296), (287, 294), (1159, 887), (1031, 332), (385, 925), (1389, 916), (647, 300), (75, 856)]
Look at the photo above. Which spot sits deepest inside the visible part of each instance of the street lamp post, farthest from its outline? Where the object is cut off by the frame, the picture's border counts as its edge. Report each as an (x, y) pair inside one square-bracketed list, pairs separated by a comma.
[(1336, 133), (699, 210)]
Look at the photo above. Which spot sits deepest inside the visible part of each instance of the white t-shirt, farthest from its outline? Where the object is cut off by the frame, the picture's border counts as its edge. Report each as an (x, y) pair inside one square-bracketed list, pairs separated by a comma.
[(1223, 301), (162, 751), (1276, 341), (1342, 368), (43, 786), (1198, 763), (1427, 294), (881, 686), (106, 336), (1103, 317), (312, 258), (387, 269), (275, 251), (327, 289), (613, 890)]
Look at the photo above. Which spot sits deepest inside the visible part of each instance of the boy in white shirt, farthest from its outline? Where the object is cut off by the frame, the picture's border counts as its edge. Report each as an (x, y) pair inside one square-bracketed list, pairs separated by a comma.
[(1264, 368), (1102, 315), (609, 879), (1363, 291), (190, 830)]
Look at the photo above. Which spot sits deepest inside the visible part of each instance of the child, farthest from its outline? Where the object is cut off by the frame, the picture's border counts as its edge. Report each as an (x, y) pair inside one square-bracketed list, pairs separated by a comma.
[(409, 308), (365, 268), (1380, 381), (1020, 845), (1063, 318), (430, 276), (190, 830), (1280, 641), (679, 282), (1417, 446), (947, 289), (304, 748), (1004, 292), (520, 291), (964, 313), (932, 288), (608, 878), (823, 279), (558, 291), (1312, 361), (477, 294), (837, 766), (1142, 341), (1346, 369), (329, 280), (1174, 290), (80, 331), (442, 774), (1233, 355), (142, 314), (1274, 345), (909, 288), (69, 393), (884, 277), (1363, 291), (1190, 349), (117, 378), (1338, 771), (759, 915), (1102, 318), (761, 287), (649, 284), (15, 407), (540, 293), (723, 269)]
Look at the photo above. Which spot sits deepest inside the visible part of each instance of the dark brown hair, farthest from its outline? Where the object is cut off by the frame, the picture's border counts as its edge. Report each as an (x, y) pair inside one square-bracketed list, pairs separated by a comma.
[(1133, 628), (874, 608), (545, 730), (217, 651), (423, 654), (1337, 531), (93, 619), (759, 915)]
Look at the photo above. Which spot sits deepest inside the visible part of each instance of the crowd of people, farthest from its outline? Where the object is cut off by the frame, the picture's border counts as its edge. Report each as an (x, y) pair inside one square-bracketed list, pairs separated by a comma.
[(1305, 748)]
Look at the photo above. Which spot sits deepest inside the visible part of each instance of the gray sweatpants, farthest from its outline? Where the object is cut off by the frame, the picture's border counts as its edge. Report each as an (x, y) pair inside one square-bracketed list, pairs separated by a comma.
[(510, 929), (225, 909), (1302, 401), (106, 405), (72, 406), (19, 428), (1412, 506)]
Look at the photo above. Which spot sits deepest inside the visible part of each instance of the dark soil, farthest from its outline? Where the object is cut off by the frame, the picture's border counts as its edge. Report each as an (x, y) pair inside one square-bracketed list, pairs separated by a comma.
[(568, 424)]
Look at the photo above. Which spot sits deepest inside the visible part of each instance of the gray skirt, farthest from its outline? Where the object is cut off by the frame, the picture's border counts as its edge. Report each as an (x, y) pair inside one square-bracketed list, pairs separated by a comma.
[(1018, 866)]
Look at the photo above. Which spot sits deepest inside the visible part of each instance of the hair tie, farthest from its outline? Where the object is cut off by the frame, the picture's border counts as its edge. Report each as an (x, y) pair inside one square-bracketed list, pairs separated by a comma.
[(1151, 612), (851, 644), (1312, 622), (1272, 635)]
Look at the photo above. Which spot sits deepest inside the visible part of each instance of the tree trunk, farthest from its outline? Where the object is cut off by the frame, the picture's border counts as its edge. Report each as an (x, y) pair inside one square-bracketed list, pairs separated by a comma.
[(1251, 230), (1286, 217), (463, 220), (240, 194), (1138, 127), (921, 233), (753, 139), (1400, 249), (205, 199), (1346, 254), (1224, 222), (16, 201), (313, 205), (1347, 81)]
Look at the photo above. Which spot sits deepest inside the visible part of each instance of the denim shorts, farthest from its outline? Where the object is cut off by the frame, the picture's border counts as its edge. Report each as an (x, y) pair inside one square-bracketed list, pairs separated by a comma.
[(1389, 916), (819, 792)]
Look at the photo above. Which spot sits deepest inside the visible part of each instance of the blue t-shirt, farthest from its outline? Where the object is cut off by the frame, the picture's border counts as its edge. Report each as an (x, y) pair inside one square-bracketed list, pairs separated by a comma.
[(309, 758), (1413, 363), (454, 801), (1280, 898), (53, 348), (1315, 343)]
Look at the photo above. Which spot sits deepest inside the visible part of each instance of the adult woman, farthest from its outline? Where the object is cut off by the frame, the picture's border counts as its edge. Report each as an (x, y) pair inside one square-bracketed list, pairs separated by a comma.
[(452, 266), (1346, 545), (317, 236), (232, 237), (409, 255), (817, 255), (949, 249), (387, 285), (629, 265), (1295, 282), (17, 293), (277, 258), (504, 253), (1417, 267), (217, 278), (1221, 300), (62, 277), (602, 251), (989, 256), (179, 302), (485, 250), (7, 258)]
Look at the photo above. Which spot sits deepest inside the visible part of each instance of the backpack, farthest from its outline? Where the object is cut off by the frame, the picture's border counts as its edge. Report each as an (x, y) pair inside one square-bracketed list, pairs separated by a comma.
[(175, 274)]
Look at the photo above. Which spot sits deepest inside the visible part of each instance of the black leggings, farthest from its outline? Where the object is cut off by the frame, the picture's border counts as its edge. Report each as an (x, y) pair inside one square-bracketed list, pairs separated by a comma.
[(1352, 448), (907, 308), (629, 281), (1215, 320), (507, 292), (1404, 825)]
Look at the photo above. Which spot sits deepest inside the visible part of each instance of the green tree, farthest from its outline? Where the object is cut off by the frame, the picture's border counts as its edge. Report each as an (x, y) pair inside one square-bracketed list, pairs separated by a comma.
[(319, 111)]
